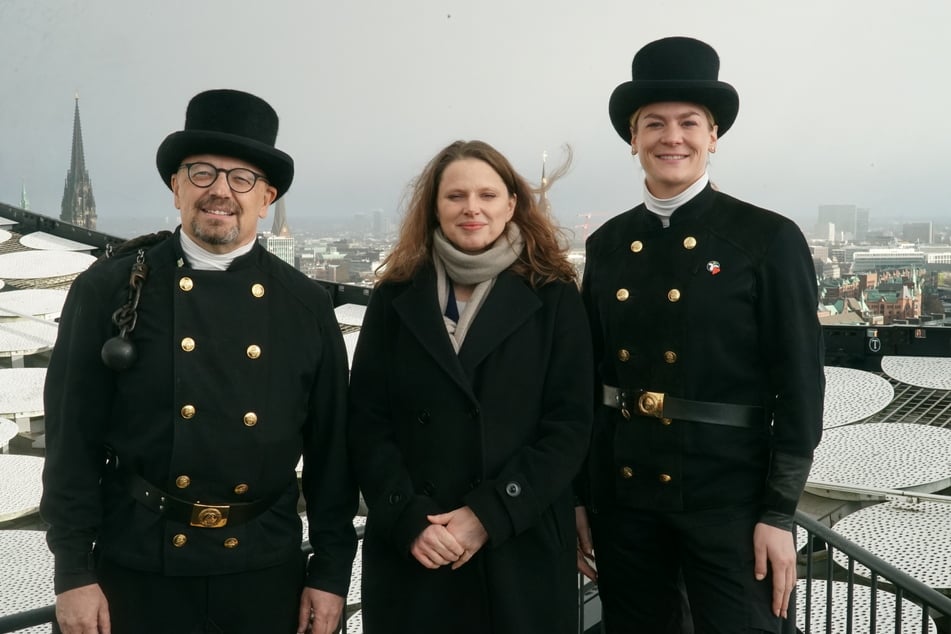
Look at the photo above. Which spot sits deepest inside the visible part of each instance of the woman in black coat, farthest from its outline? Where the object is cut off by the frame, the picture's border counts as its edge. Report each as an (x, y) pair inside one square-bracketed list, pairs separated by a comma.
[(472, 405)]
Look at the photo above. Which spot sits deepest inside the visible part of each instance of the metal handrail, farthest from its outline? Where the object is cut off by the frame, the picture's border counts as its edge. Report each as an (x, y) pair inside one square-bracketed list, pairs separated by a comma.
[(933, 603)]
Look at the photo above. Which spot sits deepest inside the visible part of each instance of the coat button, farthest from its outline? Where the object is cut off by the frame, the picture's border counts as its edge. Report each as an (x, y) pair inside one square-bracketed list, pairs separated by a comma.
[(182, 481), (627, 473), (241, 489), (474, 412), (513, 489), (188, 344), (670, 356), (423, 417), (254, 351), (428, 489), (637, 246), (250, 419), (623, 355), (664, 478), (690, 242), (395, 497), (665, 421), (257, 290), (231, 542), (179, 540), (475, 483), (186, 284), (673, 295), (622, 294), (188, 411)]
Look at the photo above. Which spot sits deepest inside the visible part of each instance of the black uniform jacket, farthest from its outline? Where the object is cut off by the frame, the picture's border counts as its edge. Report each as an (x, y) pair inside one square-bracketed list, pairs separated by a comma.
[(503, 428), (238, 373), (718, 307)]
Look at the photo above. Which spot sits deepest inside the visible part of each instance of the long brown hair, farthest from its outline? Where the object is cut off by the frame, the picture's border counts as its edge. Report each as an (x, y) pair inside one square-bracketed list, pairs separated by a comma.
[(544, 258)]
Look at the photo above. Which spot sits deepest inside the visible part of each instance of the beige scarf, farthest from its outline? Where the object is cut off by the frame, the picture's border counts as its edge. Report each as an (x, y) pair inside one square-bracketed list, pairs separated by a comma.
[(480, 269)]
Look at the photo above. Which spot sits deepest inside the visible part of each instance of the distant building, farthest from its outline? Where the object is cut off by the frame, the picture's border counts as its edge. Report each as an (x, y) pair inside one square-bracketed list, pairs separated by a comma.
[(79, 206), (280, 242), (850, 223), (888, 259), (920, 232)]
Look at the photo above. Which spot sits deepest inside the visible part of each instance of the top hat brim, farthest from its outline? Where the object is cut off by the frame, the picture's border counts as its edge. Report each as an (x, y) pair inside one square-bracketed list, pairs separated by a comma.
[(719, 97), (277, 166)]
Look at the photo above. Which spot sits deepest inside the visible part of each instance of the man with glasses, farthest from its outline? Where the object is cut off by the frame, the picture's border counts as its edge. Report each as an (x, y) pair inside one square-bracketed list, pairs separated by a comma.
[(174, 424)]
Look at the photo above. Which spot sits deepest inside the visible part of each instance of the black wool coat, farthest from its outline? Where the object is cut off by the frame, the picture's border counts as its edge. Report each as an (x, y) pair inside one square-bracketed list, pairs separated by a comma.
[(239, 373), (718, 307), (501, 427)]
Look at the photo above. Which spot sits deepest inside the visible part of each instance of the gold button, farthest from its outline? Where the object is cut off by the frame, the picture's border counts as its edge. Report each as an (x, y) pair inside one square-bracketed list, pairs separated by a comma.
[(637, 246), (241, 489), (673, 295), (623, 355), (257, 290), (665, 421), (231, 542), (188, 344), (188, 411), (670, 356), (627, 473), (182, 481), (622, 295), (186, 284), (250, 419), (179, 540), (664, 478), (254, 351), (690, 242)]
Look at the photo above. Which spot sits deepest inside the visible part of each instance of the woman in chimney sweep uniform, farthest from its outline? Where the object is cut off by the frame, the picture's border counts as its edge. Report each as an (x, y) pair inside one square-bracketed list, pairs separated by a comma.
[(709, 372)]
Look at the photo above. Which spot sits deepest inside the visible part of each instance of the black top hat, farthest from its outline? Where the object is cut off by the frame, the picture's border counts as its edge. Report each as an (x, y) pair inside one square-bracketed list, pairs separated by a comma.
[(674, 69), (231, 123)]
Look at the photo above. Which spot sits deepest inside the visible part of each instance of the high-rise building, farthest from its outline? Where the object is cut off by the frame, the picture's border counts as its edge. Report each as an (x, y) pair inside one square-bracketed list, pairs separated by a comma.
[(851, 223), (79, 206), (280, 242), (921, 232)]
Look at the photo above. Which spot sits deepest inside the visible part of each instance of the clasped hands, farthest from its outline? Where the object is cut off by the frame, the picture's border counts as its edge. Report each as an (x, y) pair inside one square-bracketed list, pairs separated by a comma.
[(450, 539)]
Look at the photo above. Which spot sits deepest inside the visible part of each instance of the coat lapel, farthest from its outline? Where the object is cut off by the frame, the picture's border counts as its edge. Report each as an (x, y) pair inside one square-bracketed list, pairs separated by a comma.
[(418, 307), (509, 304)]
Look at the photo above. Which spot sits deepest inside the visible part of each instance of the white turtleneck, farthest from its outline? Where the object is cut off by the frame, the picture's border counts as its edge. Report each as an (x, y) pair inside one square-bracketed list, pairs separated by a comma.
[(664, 208), (204, 260)]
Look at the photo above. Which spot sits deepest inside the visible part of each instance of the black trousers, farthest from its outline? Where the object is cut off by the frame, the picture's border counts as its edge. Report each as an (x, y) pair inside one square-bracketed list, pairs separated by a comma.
[(255, 602), (648, 561)]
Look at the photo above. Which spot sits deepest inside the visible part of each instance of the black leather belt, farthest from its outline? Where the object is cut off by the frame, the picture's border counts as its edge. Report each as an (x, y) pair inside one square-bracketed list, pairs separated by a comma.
[(663, 406), (191, 513)]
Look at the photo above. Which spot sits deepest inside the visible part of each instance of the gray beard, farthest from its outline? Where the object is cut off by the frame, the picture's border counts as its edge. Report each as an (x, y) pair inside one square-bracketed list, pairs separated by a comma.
[(215, 239)]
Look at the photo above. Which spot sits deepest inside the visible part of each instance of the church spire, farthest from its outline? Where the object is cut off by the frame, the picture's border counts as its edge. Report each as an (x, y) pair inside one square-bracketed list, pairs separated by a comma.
[(280, 228), (24, 201), (79, 206)]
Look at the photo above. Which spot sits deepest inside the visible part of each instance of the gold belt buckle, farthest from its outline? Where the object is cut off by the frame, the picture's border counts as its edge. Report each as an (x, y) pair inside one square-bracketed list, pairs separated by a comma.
[(651, 404), (209, 516)]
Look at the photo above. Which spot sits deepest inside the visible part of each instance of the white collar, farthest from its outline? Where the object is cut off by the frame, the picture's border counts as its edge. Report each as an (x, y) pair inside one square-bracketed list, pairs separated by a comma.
[(664, 208), (204, 260)]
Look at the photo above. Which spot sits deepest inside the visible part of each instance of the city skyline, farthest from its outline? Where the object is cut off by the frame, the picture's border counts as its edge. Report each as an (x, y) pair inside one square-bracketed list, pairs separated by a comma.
[(838, 104)]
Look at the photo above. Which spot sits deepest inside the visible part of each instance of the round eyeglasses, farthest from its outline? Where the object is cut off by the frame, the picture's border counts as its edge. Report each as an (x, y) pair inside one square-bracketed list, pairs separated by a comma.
[(240, 179)]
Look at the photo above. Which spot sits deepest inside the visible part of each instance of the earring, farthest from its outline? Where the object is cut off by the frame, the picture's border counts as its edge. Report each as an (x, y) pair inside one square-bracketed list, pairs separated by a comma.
[(713, 149), (633, 152)]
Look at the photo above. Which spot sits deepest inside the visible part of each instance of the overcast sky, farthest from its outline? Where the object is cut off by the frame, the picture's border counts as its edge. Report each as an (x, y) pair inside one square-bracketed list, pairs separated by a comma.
[(841, 101)]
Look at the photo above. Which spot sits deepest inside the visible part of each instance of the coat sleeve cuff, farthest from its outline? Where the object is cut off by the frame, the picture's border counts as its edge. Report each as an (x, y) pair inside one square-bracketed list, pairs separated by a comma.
[(787, 478), (73, 570)]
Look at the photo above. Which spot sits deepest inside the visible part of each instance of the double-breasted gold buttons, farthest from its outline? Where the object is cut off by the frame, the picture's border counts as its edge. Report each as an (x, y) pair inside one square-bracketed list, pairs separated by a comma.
[(637, 246), (622, 294), (241, 489), (673, 295), (627, 473), (690, 242), (250, 419), (623, 355), (188, 411), (186, 284), (670, 356), (183, 481), (664, 478), (257, 290), (231, 542), (254, 351), (179, 540), (188, 344)]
